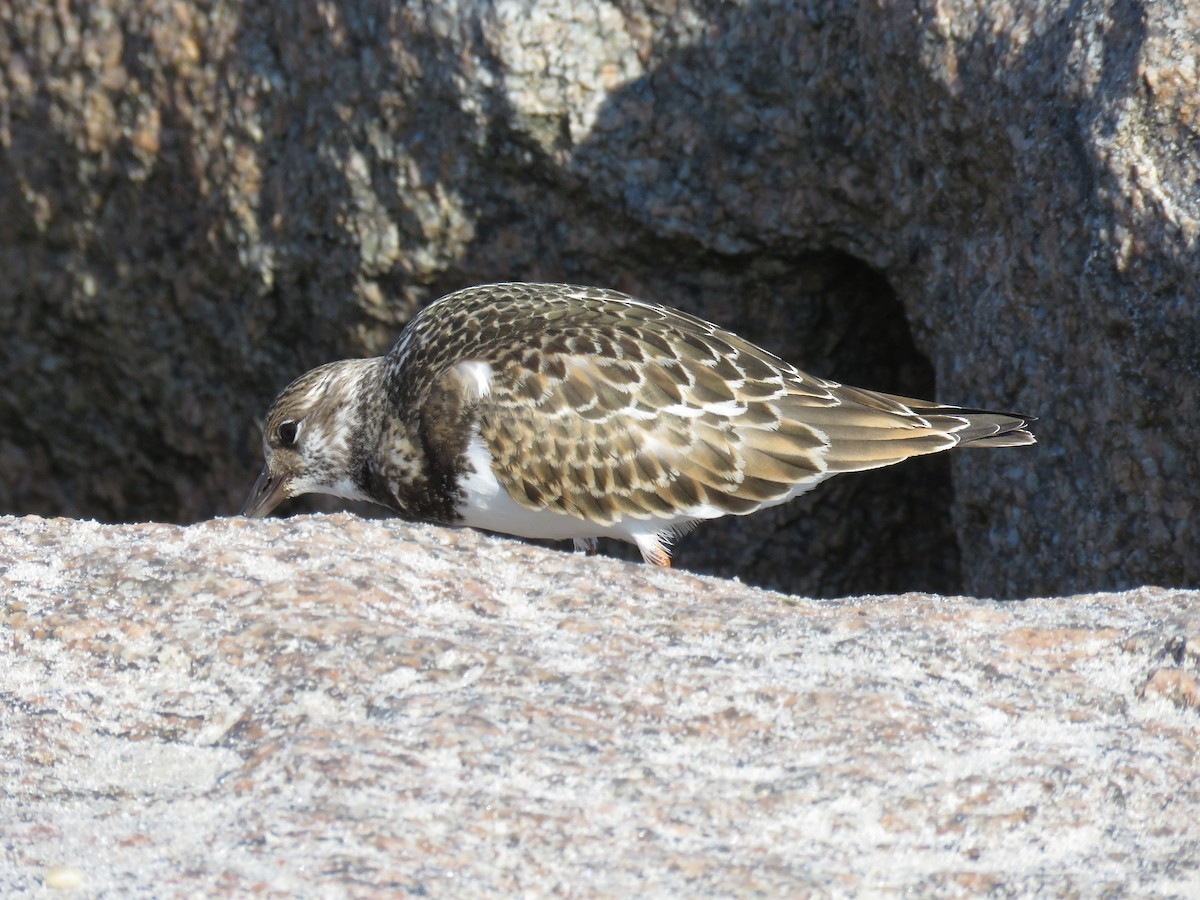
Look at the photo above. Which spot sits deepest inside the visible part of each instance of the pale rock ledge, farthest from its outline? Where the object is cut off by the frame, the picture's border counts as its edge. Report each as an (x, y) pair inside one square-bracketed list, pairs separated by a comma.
[(329, 705)]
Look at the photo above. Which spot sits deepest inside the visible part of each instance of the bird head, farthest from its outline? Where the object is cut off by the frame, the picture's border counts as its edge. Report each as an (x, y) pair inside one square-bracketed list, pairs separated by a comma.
[(311, 438)]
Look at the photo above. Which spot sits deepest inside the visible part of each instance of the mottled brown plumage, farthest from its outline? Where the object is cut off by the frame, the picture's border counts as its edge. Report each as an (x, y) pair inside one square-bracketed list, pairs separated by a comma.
[(562, 411)]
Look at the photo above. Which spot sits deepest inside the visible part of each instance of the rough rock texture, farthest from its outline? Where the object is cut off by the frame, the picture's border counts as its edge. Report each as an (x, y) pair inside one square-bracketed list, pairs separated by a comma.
[(995, 199), (339, 706)]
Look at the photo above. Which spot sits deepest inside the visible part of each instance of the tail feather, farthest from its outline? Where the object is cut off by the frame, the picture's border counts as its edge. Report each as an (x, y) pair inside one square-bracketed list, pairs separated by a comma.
[(868, 430), (984, 428)]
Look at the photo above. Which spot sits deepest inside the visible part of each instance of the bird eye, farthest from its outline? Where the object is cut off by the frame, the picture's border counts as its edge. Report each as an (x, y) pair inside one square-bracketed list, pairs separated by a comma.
[(287, 432)]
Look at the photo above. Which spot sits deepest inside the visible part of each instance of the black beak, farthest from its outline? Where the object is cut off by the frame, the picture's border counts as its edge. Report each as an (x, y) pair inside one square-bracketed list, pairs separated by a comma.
[(268, 492)]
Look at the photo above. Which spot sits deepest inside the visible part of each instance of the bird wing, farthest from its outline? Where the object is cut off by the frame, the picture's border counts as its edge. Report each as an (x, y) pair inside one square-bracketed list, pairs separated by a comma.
[(606, 408), (650, 425)]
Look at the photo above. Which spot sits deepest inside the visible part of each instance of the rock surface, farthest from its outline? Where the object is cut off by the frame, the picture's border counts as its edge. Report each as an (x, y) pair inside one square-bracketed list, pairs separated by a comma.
[(331, 705), (993, 200)]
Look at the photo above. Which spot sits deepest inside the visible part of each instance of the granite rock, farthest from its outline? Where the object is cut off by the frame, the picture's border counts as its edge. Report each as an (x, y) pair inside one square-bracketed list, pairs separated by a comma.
[(992, 201), (332, 706)]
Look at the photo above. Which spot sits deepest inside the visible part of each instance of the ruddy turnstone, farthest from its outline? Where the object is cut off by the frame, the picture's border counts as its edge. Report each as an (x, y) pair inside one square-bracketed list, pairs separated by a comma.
[(555, 411)]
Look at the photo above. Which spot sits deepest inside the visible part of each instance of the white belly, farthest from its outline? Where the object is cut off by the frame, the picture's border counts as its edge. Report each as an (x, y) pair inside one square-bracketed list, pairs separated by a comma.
[(487, 505)]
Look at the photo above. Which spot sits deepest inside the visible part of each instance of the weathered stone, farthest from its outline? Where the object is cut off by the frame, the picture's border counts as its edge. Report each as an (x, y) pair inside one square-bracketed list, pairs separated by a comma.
[(336, 706), (993, 200)]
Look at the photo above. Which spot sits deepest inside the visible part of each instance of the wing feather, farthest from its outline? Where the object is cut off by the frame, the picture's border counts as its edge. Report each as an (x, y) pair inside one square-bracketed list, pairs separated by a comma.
[(603, 408)]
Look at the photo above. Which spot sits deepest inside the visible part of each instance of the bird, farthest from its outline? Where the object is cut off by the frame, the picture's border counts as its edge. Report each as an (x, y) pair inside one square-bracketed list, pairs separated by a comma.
[(569, 412)]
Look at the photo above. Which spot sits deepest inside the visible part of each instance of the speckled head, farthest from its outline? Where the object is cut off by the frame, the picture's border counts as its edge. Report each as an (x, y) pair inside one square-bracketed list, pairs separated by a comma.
[(315, 436)]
